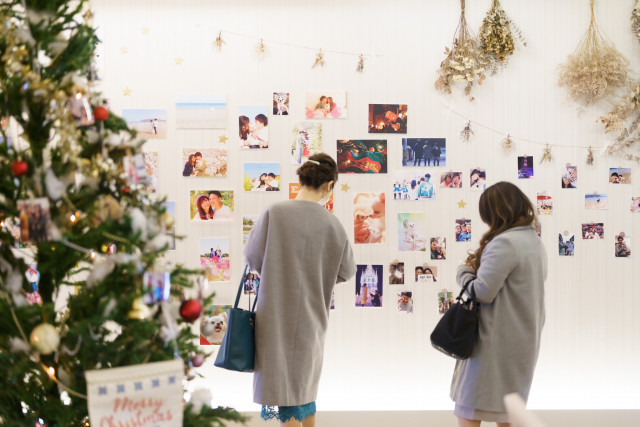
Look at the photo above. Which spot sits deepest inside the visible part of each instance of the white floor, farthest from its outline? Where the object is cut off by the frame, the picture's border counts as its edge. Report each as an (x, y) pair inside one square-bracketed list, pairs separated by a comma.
[(595, 418)]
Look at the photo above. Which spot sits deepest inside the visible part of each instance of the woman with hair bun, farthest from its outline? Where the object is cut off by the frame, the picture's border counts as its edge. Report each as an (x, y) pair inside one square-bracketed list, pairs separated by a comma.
[(507, 274), (300, 251)]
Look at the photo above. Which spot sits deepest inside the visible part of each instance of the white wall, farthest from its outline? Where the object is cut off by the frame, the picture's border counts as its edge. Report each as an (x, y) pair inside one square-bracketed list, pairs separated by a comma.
[(376, 358)]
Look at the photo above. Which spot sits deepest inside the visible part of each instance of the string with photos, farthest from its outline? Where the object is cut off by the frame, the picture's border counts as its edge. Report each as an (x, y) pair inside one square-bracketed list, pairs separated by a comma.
[(319, 59), (508, 141)]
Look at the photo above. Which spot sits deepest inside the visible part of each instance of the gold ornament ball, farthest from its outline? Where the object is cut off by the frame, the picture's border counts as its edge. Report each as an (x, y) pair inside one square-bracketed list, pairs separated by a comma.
[(45, 338), (139, 310)]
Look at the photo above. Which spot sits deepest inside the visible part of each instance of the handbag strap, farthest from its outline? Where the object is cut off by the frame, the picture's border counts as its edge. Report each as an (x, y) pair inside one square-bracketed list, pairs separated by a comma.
[(244, 276), (472, 294)]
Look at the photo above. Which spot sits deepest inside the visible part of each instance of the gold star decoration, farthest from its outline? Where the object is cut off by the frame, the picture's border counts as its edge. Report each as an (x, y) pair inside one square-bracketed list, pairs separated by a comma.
[(461, 204), (124, 49), (223, 138), (145, 30), (126, 91), (345, 187), (179, 60)]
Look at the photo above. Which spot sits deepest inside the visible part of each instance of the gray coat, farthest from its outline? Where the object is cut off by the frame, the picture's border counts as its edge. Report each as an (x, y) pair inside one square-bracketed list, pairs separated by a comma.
[(510, 287), (301, 251)]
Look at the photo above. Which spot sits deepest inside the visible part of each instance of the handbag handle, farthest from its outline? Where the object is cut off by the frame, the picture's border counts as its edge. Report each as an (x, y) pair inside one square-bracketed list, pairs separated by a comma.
[(244, 275), (472, 295)]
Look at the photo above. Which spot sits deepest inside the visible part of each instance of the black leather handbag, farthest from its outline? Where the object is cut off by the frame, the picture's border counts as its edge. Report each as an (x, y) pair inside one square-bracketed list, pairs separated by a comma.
[(457, 331)]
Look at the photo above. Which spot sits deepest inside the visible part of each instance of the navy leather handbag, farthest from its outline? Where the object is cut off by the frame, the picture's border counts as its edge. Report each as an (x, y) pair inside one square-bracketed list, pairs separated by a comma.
[(238, 348)]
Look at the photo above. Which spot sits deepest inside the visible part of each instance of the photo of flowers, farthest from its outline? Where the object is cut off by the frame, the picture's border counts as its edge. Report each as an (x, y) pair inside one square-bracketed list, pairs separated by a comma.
[(148, 124), (201, 111), (387, 118), (325, 105), (362, 155), (214, 258), (368, 285), (214, 205), (204, 162)]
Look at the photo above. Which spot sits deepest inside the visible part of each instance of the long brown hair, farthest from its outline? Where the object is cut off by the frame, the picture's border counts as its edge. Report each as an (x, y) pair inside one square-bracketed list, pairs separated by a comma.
[(502, 206)]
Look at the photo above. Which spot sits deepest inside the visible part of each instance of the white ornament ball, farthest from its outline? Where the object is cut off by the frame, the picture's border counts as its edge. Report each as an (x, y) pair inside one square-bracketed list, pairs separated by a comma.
[(45, 338), (199, 398)]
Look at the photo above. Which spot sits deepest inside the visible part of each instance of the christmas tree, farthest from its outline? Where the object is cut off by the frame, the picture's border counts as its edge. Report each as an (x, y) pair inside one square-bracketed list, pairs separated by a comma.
[(76, 220)]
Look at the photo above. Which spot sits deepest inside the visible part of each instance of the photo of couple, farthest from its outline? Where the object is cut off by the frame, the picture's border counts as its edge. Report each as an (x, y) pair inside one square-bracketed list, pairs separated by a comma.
[(307, 141), (207, 162), (253, 126), (369, 286), (148, 124), (327, 105), (214, 258), (262, 177), (211, 205)]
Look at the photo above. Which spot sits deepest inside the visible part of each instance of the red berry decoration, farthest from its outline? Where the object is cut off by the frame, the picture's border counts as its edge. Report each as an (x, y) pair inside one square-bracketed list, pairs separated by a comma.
[(100, 113), (190, 310), (197, 360), (19, 167)]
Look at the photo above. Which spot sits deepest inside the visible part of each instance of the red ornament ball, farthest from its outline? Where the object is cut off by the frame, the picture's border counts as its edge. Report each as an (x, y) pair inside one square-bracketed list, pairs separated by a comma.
[(19, 167), (197, 360), (100, 113), (190, 310)]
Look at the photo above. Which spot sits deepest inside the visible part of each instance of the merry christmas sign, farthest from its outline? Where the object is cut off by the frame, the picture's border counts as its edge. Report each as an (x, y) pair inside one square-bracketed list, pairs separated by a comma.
[(139, 395)]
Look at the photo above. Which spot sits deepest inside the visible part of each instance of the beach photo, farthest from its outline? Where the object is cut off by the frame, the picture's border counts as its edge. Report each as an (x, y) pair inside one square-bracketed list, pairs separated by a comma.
[(362, 155), (213, 324), (262, 177), (368, 290), (325, 105), (280, 103), (387, 118), (424, 152), (411, 234), (148, 124), (369, 224), (595, 201), (204, 162), (214, 205), (201, 111), (214, 258), (306, 141), (253, 126)]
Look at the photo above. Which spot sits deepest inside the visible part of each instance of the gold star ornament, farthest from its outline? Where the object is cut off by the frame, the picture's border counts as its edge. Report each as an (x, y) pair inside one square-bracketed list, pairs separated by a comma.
[(223, 138), (461, 204), (126, 91), (345, 187)]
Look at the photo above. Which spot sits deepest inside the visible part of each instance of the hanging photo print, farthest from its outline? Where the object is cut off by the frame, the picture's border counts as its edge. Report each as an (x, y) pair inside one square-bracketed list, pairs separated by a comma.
[(405, 302), (544, 204), (593, 230), (280, 103), (251, 283), (34, 221), (135, 169), (369, 286), (413, 186), (635, 204), (463, 230), (620, 175), (438, 247), (424, 152), (477, 179), (262, 177), (253, 126), (426, 273), (248, 221), (306, 141), (362, 155), (326, 105), (151, 169), (201, 111), (566, 244), (396, 272), (623, 245), (595, 201), (451, 180), (445, 301), (411, 235), (213, 324), (211, 205), (369, 225), (525, 167), (204, 162), (156, 287), (387, 118), (214, 258), (33, 277), (148, 124), (570, 176)]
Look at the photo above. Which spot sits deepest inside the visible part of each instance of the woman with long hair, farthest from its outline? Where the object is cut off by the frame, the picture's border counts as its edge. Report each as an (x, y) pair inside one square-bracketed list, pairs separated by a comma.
[(204, 210), (188, 166), (244, 125), (292, 315), (507, 274)]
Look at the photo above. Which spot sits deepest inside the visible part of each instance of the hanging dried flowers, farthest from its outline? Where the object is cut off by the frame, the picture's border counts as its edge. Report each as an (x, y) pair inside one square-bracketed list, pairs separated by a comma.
[(546, 154), (261, 50), (465, 62), (466, 132), (635, 20), (596, 69), (219, 42), (496, 37), (319, 62), (616, 120), (360, 66), (589, 156), (507, 143)]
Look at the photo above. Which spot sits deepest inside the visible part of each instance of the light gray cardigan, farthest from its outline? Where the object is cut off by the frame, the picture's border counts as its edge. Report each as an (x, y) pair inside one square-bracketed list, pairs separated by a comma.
[(510, 287)]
